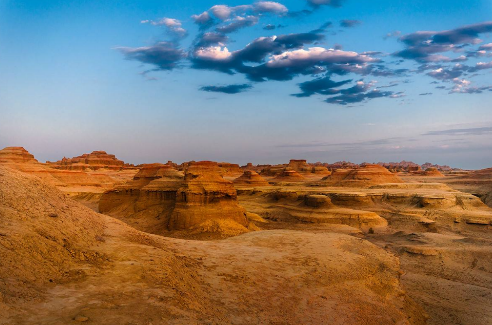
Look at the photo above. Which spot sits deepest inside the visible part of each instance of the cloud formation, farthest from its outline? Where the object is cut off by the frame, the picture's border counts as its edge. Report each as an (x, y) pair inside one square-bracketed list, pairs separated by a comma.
[(163, 55), (174, 26), (347, 23), (461, 132), (229, 89), (441, 55), (428, 46)]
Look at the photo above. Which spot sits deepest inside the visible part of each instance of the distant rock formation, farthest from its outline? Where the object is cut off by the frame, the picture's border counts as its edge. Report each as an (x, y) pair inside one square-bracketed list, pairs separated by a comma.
[(94, 161), (155, 171), (16, 155), (443, 168), (228, 169), (72, 182), (364, 176), (432, 172), (250, 178), (401, 166), (289, 175), (302, 166), (271, 170), (205, 195)]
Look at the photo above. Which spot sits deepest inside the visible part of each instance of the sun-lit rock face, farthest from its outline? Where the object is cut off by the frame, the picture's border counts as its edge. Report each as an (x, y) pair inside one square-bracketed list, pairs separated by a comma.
[(228, 169), (205, 195), (301, 166), (289, 175), (298, 164), (365, 176), (432, 172), (16, 155), (155, 171), (250, 178), (95, 160)]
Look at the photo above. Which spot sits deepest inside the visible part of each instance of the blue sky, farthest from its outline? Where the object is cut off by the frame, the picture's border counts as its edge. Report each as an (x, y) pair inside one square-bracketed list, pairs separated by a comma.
[(78, 76)]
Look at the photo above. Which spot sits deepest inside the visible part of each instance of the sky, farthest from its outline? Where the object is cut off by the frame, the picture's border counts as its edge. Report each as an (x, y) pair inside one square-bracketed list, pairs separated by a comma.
[(241, 81)]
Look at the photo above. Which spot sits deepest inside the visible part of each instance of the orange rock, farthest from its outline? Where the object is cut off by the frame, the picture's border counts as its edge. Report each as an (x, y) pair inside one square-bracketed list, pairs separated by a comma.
[(95, 160), (364, 176), (228, 169), (205, 195), (298, 165), (289, 176), (432, 172), (155, 171), (250, 178), (16, 155)]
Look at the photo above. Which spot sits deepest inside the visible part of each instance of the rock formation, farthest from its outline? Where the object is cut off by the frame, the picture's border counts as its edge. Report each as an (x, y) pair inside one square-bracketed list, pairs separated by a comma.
[(432, 172), (364, 176), (147, 201), (270, 171), (302, 166), (288, 175), (228, 169), (159, 198), (205, 195), (93, 161), (250, 178), (15, 155)]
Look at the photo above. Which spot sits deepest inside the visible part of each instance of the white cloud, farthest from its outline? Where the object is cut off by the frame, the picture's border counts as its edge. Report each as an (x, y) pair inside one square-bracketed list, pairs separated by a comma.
[(316, 54), (215, 53), (270, 6)]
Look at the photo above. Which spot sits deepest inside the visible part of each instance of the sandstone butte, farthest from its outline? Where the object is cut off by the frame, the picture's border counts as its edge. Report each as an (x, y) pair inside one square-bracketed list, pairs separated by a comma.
[(159, 198), (364, 176), (432, 172), (289, 175), (302, 166), (250, 178), (73, 182), (228, 169), (94, 161), (15, 155), (205, 195), (146, 201)]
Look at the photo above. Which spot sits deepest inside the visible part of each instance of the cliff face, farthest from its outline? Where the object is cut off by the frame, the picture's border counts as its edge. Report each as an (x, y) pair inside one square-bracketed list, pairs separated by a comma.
[(146, 201), (205, 195), (160, 198)]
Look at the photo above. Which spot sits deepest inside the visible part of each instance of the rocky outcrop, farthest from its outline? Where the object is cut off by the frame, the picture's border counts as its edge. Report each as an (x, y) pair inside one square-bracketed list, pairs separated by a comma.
[(271, 171), (93, 161), (432, 172), (15, 155), (205, 195), (228, 169), (147, 201), (365, 176), (71, 182), (160, 198), (154, 171), (289, 176), (303, 167), (250, 178)]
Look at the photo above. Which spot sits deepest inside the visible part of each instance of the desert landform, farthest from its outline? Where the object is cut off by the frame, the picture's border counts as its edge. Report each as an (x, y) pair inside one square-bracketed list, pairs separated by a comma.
[(92, 239)]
